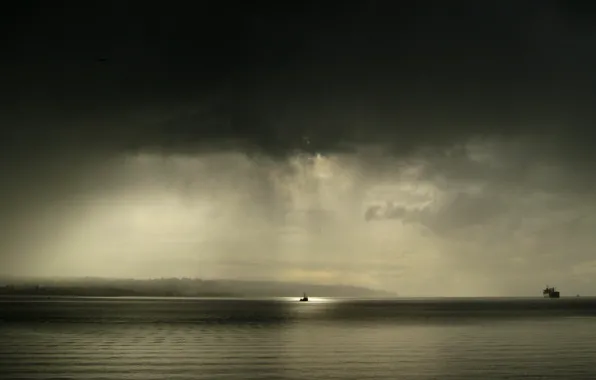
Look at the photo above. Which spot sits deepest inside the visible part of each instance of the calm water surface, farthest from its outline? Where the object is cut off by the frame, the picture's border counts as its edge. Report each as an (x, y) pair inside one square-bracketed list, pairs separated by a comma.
[(124, 338)]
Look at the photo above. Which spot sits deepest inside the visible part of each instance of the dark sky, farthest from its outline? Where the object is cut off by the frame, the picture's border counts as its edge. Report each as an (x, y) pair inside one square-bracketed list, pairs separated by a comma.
[(86, 83), (270, 72)]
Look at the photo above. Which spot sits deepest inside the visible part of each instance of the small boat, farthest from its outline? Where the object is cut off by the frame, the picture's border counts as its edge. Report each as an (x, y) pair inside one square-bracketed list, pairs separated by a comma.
[(304, 298), (551, 292)]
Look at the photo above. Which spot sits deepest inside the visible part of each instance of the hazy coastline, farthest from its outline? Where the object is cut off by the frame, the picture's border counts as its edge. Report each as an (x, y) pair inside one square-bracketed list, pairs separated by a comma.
[(174, 287)]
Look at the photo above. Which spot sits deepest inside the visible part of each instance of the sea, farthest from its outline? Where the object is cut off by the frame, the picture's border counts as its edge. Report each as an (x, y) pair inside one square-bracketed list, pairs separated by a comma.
[(281, 338)]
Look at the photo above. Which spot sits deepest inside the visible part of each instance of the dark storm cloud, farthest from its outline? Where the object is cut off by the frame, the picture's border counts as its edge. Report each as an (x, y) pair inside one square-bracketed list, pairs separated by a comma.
[(114, 116), (265, 75), (412, 76)]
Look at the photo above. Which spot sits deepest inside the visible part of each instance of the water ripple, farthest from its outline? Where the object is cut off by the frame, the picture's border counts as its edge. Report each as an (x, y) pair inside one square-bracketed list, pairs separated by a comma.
[(204, 339)]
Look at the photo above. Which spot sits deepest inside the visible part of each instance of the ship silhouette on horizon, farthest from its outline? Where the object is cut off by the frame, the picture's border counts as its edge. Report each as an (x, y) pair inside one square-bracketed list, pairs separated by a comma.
[(550, 292)]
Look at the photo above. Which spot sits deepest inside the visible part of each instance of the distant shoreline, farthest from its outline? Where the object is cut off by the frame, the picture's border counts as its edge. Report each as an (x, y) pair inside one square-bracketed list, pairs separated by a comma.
[(101, 293), (176, 287)]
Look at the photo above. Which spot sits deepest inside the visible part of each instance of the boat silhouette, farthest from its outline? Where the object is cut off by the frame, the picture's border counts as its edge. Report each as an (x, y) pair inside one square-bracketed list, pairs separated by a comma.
[(304, 298), (550, 292)]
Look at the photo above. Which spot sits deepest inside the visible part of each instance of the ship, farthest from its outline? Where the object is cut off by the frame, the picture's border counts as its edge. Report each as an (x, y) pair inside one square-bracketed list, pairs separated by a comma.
[(550, 292), (304, 299)]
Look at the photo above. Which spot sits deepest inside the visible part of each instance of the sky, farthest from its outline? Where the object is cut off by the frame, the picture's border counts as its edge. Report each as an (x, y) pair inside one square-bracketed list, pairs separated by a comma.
[(248, 141)]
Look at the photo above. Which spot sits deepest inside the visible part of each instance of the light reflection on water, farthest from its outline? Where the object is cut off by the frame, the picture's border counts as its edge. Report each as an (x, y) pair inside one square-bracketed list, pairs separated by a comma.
[(284, 338)]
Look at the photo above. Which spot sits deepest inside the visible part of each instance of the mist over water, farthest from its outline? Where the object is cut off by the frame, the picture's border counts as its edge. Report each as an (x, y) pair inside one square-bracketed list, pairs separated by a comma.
[(449, 222)]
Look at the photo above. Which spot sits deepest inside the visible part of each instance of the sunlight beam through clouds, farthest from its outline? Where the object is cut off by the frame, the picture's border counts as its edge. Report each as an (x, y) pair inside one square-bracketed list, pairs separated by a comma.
[(449, 230)]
